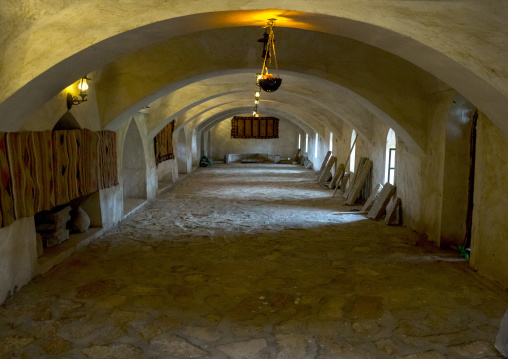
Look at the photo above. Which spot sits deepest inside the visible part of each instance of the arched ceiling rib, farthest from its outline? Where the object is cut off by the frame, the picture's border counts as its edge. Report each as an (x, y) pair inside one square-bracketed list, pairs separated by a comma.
[(239, 111), (392, 85), (321, 99), (200, 116), (460, 42), (398, 88)]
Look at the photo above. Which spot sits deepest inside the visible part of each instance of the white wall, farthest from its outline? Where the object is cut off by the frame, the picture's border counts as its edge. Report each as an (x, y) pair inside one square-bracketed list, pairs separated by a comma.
[(489, 240), (18, 256)]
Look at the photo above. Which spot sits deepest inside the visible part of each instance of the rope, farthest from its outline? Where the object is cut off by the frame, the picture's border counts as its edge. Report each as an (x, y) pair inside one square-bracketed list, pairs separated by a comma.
[(271, 43)]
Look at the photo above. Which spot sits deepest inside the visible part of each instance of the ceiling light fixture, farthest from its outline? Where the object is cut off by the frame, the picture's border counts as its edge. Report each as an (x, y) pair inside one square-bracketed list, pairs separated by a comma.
[(265, 80)]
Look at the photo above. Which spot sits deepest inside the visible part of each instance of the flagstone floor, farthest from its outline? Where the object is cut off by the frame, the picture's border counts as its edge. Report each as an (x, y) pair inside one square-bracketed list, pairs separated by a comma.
[(252, 261)]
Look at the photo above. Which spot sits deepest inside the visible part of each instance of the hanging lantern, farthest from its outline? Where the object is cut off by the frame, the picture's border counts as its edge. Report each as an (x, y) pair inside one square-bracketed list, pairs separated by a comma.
[(267, 81)]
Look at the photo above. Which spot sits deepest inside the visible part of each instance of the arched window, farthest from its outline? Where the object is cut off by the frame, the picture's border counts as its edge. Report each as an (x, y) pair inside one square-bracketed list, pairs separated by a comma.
[(331, 141), (306, 143), (352, 157), (390, 157)]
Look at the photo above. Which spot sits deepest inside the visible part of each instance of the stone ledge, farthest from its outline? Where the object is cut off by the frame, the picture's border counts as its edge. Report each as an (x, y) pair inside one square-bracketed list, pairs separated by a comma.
[(56, 255)]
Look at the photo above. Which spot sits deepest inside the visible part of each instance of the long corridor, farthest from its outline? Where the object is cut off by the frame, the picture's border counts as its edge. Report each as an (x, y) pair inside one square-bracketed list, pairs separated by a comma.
[(253, 261)]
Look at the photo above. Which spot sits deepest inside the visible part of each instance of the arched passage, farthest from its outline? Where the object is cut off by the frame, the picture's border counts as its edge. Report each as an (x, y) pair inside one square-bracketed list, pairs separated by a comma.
[(133, 169)]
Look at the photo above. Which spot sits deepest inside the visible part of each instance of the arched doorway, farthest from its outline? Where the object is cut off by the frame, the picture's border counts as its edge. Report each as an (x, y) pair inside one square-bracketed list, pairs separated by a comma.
[(133, 169)]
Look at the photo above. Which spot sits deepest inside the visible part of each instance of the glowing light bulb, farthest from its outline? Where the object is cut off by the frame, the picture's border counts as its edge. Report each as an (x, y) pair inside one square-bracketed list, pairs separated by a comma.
[(256, 102), (257, 95), (83, 85), (254, 113)]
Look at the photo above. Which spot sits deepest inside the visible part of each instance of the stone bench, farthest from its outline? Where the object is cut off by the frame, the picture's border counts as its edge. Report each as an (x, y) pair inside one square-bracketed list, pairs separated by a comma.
[(252, 158)]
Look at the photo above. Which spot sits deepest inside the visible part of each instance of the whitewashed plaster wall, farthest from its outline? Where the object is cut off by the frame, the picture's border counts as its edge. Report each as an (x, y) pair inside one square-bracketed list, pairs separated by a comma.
[(167, 172), (86, 113), (182, 145), (456, 172), (322, 149), (18, 256), (285, 146), (420, 177), (489, 240), (18, 250)]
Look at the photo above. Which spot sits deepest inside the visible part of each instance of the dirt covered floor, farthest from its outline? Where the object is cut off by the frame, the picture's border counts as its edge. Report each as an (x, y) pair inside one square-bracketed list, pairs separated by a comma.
[(250, 261)]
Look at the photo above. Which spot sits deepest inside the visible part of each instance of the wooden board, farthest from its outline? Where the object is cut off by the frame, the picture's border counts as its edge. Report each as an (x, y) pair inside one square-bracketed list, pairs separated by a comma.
[(60, 167), (326, 172), (20, 154), (379, 206), (359, 182), (42, 171), (344, 181), (6, 199), (339, 173), (370, 201), (325, 162), (361, 163), (392, 211)]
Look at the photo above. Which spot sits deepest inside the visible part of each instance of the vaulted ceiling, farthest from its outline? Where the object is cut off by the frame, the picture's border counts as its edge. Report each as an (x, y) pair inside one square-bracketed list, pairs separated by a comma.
[(341, 61)]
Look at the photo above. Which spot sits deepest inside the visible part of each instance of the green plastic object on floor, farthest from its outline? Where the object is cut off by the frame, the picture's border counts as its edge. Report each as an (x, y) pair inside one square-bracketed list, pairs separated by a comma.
[(205, 162), (463, 252)]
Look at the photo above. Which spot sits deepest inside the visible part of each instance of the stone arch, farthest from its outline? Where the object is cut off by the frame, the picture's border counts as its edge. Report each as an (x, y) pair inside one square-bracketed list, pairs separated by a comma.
[(134, 176), (407, 39)]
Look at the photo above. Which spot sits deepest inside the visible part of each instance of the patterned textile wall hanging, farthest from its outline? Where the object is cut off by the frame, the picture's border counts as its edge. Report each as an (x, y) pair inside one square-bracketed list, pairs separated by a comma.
[(42, 170), (20, 153), (107, 159), (163, 143), (88, 162), (252, 127), (61, 167), (6, 200), (73, 147)]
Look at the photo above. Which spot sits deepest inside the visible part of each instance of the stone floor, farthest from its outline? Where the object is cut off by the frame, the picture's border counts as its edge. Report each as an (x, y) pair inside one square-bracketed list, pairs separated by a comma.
[(252, 261)]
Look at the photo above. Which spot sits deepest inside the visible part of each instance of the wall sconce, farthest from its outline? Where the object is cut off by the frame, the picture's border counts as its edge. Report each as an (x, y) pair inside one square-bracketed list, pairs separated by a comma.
[(83, 92)]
